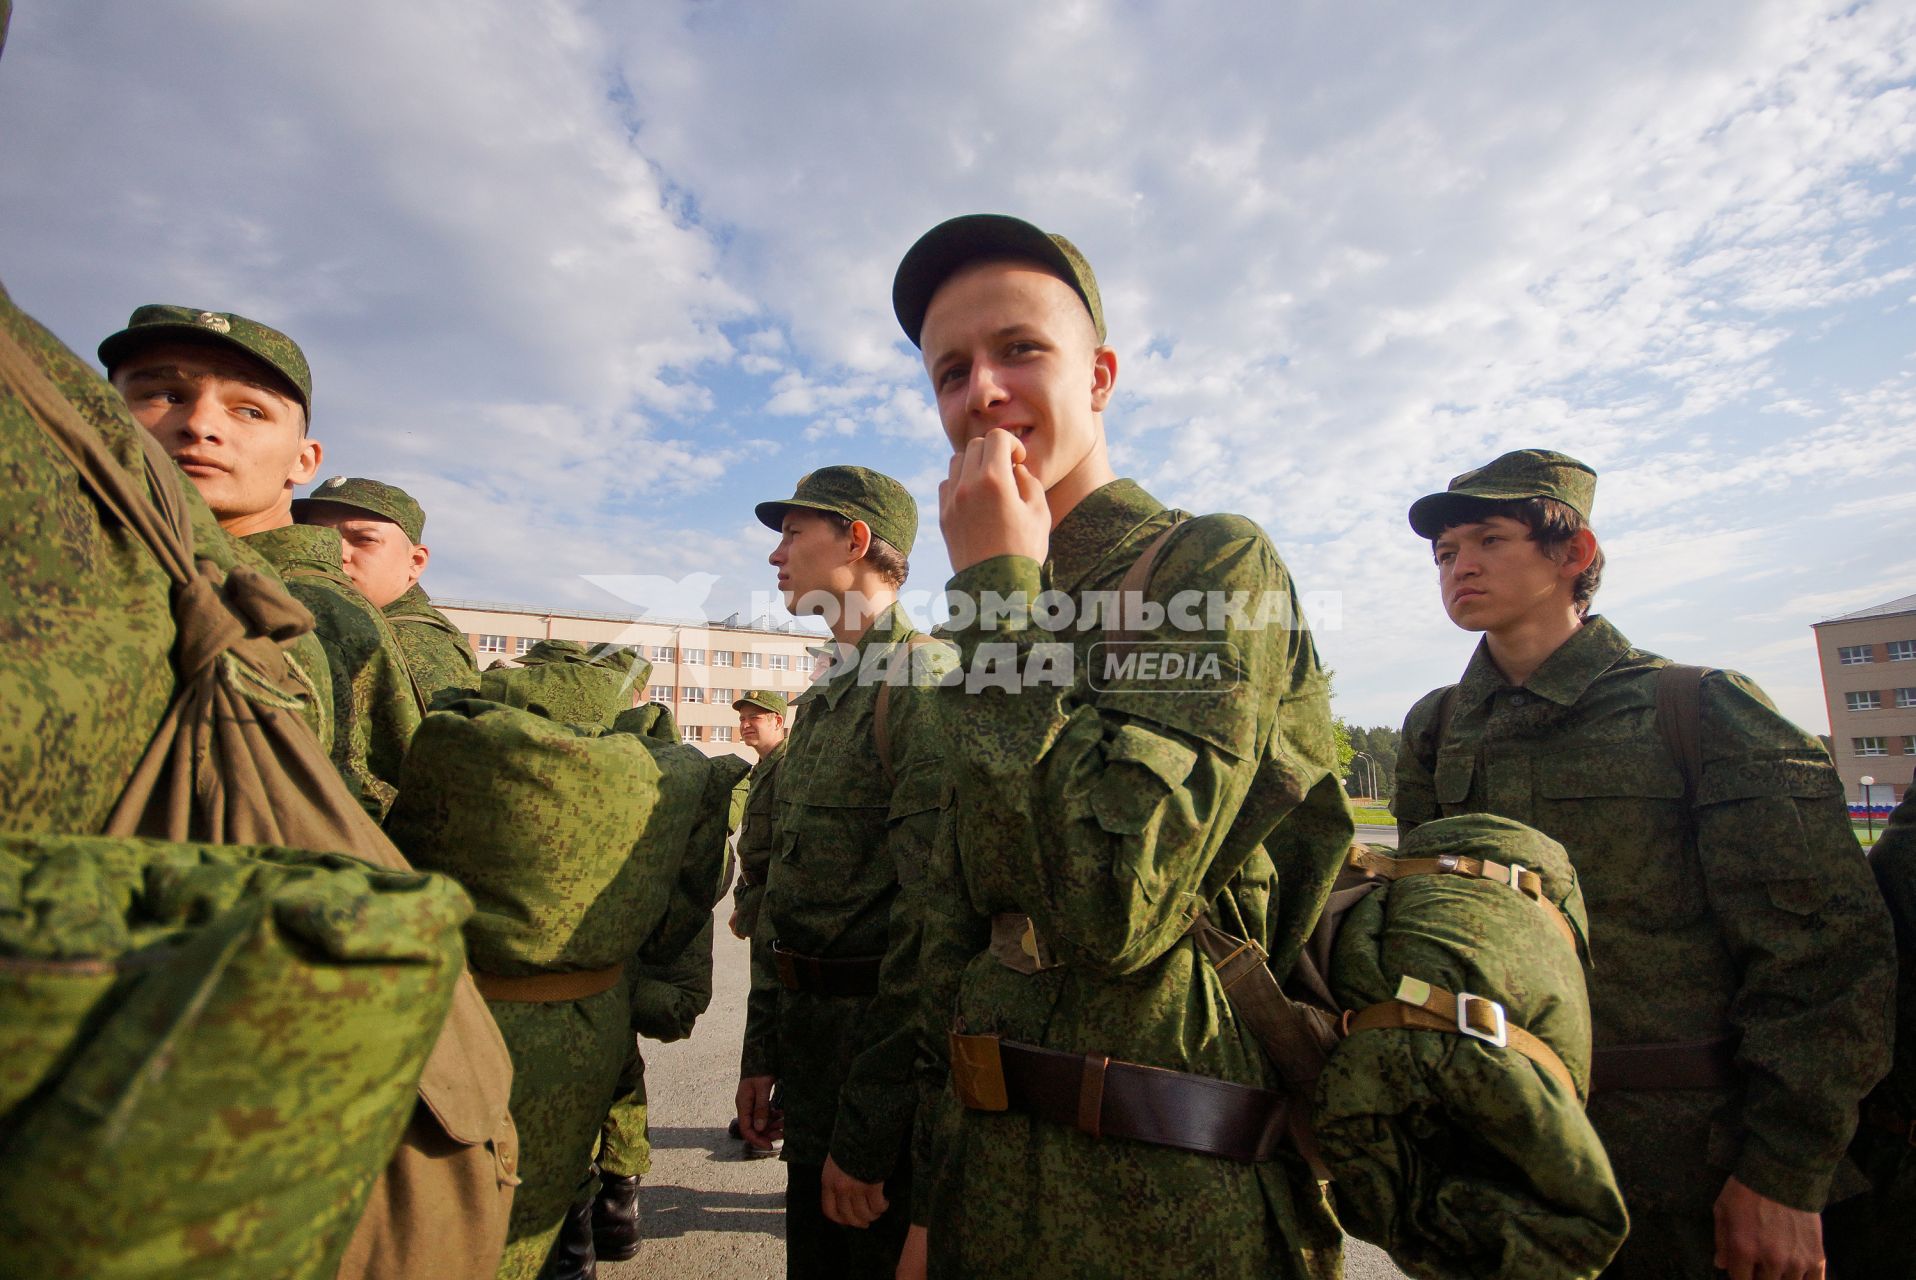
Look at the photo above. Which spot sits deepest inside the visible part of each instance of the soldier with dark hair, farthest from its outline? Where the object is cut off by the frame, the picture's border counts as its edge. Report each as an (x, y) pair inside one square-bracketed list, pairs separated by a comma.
[(1740, 998)]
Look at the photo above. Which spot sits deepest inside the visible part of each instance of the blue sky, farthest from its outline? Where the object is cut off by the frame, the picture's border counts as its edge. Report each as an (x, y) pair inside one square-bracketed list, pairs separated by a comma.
[(591, 279)]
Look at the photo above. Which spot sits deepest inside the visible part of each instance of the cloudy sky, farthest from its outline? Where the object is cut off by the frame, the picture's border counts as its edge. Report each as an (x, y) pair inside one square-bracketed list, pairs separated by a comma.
[(591, 278)]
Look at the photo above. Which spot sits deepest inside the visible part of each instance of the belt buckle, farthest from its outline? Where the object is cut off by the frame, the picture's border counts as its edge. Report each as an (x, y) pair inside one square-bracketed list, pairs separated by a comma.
[(978, 1072), (1447, 863), (1516, 875), (1498, 1035)]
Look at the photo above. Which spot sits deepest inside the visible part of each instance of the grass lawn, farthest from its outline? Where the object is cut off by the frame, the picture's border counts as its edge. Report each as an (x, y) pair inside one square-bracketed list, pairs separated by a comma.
[(1863, 836), (1373, 816)]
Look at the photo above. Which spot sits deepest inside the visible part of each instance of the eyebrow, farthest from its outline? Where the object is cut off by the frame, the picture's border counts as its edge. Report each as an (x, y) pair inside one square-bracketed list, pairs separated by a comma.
[(1010, 330), (166, 372)]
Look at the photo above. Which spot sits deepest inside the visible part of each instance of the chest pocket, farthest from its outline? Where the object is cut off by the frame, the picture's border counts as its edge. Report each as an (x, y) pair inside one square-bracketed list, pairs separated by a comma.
[(1619, 810), (1452, 779)]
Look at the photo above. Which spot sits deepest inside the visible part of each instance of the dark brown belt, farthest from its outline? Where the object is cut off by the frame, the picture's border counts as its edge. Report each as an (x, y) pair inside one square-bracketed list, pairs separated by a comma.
[(1890, 1121), (1107, 1098), (548, 988), (1685, 1064), (852, 976)]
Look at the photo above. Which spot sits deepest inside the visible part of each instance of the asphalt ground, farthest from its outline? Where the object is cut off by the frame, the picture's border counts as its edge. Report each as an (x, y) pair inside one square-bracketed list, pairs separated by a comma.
[(708, 1211)]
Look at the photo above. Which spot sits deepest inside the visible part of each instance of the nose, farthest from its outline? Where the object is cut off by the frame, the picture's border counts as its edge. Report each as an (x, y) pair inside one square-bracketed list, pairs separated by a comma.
[(986, 391), (778, 555), (205, 415)]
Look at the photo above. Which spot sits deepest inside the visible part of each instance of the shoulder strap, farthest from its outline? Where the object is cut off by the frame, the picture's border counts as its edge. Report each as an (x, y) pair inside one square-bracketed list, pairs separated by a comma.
[(1446, 709), (881, 712), (1137, 579), (1680, 720)]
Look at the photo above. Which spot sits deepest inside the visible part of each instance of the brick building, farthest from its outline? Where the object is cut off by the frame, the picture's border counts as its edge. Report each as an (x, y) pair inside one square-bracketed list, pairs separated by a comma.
[(698, 668), (1869, 684)]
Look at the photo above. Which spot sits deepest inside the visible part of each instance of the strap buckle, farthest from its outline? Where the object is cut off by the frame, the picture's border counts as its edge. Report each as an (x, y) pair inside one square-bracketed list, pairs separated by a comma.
[(978, 1072), (1516, 875), (1499, 1033)]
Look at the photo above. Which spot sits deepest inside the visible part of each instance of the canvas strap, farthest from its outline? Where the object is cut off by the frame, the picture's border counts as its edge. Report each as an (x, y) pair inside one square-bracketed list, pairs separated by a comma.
[(1420, 1006), (1520, 878), (881, 709)]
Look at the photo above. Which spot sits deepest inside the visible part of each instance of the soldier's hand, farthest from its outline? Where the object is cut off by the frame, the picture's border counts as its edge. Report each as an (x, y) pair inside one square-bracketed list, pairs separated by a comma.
[(1759, 1239), (916, 1257), (759, 1122), (991, 505), (847, 1201)]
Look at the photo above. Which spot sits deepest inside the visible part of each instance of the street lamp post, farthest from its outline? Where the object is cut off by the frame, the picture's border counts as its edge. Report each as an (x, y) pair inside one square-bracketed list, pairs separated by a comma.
[(1370, 770), (1869, 814)]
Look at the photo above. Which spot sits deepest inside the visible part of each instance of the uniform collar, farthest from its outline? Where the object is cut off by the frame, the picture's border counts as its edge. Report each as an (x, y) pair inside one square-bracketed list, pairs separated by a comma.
[(770, 758), (1096, 530), (887, 628), (294, 544), (1562, 678)]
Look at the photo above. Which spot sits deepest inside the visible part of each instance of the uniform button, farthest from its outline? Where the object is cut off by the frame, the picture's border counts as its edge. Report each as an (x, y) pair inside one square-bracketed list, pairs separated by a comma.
[(1518, 698)]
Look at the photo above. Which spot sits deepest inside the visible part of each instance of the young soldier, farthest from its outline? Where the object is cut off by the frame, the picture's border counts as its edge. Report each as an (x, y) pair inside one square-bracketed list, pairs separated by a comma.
[(1099, 813), (379, 528), (1740, 997), (761, 726), (230, 400), (857, 797)]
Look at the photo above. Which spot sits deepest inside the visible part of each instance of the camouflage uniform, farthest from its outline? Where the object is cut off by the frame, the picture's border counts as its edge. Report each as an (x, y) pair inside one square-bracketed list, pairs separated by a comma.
[(375, 705), (843, 882), (1870, 1235), (1110, 818), (1746, 912), (755, 840), (436, 651)]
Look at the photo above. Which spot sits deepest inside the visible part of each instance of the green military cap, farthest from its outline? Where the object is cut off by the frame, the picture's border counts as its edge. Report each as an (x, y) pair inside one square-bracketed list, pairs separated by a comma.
[(157, 322), (975, 238), (1524, 473), (856, 493), (764, 699), (387, 500)]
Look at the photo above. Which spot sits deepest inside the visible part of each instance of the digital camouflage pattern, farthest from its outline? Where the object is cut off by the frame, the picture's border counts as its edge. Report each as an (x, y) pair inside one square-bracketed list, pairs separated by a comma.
[(845, 880), (437, 655), (756, 834), (539, 822), (1109, 819), (375, 704), (245, 1025), (163, 322), (569, 682), (1464, 1160), (1869, 1235), (1513, 477), (388, 501), (1751, 912), (86, 617), (566, 1060), (648, 720), (667, 1000), (856, 493)]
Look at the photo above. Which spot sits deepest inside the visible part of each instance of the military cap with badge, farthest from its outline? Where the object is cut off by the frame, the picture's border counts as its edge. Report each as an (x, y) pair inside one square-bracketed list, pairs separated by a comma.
[(162, 322), (387, 501), (855, 493)]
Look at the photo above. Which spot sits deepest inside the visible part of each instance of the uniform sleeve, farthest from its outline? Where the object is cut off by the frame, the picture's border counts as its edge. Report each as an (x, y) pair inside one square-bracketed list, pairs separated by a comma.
[(667, 999), (1112, 809), (953, 932), (1415, 799), (759, 1054), (1807, 931), (880, 1095)]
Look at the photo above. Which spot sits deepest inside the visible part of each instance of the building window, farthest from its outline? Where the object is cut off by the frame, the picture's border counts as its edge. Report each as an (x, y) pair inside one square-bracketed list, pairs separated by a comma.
[(721, 657), (1868, 700), (781, 662), (1906, 697), (1909, 745), (722, 697), (692, 733), (1869, 746), (692, 656), (661, 653), (492, 644), (722, 733), (1902, 650), (662, 693), (523, 645), (748, 659), (1853, 655), (691, 693)]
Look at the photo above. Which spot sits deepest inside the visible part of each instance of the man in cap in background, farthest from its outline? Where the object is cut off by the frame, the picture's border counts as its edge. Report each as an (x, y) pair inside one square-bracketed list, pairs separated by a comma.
[(857, 796), (379, 528), (761, 726), (1096, 818), (1741, 1003), (229, 399)]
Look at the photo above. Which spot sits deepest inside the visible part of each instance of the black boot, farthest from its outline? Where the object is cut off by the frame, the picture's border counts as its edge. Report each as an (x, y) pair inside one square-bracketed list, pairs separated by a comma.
[(615, 1218), (572, 1257)]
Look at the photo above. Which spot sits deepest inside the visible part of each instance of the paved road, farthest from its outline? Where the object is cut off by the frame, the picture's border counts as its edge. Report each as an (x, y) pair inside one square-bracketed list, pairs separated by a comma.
[(1377, 835), (710, 1213)]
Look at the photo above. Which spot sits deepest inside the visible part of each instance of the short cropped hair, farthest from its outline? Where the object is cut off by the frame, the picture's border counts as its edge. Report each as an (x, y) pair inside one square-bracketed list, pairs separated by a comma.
[(1551, 523)]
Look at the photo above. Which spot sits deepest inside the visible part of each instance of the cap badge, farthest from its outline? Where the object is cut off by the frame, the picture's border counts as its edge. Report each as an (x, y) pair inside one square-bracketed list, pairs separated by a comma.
[(217, 323)]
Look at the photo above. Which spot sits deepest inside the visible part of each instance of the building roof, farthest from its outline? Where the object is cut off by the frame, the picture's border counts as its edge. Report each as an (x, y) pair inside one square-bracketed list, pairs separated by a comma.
[(762, 625), (1889, 609)]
